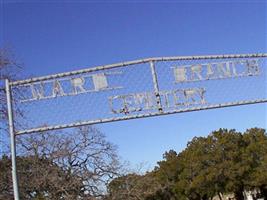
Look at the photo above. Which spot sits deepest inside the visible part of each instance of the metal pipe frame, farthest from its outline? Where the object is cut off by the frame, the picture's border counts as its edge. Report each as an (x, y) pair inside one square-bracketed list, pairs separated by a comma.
[(106, 120), (156, 85), (152, 62), (12, 141), (141, 61)]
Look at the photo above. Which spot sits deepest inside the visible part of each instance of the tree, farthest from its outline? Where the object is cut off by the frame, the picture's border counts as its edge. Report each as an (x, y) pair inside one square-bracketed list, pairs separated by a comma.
[(255, 157), (133, 187), (193, 181), (228, 169), (167, 173), (9, 69), (37, 177), (6, 191), (89, 161), (226, 161)]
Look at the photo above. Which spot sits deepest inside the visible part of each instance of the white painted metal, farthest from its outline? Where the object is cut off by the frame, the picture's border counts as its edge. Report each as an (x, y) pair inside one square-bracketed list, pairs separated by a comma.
[(100, 82), (12, 141), (105, 120), (124, 64), (156, 86)]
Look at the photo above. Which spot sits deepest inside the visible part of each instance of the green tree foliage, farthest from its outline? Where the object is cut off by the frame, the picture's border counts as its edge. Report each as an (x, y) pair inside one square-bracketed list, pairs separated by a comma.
[(133, 186), (226, 161), (227, 167), (255, 158)]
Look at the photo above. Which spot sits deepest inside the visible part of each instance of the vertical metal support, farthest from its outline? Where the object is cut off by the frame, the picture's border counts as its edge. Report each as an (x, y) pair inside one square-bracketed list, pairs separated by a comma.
[(156, 86), (12, 141)]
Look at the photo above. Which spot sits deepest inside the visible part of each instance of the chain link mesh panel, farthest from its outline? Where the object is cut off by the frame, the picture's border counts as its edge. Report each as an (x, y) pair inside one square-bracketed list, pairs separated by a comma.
[(138, 89), (207, 83)]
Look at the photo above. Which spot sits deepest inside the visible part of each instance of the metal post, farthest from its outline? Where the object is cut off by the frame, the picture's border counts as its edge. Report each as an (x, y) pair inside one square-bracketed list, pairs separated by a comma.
[(12, 141), (156, 86)]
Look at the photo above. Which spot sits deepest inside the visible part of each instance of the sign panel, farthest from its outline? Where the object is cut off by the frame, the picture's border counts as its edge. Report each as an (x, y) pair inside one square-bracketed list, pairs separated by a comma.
[(137, 89)]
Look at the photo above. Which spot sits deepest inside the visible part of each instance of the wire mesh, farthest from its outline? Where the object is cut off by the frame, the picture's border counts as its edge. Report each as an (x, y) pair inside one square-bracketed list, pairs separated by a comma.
[(139, 89)]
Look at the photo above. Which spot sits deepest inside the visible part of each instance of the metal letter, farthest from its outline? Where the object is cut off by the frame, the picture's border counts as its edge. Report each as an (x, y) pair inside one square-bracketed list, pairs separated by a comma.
[(196, 70), (202, 92), (180, 74), (234, 69), (252, 67), (100, 81), (146, 99), (77, 85), (190, 94), (165, 95), (210, 71), (125, 103), (111, 104), (37, 93), (57, 89), (224, 69), (177, 98)]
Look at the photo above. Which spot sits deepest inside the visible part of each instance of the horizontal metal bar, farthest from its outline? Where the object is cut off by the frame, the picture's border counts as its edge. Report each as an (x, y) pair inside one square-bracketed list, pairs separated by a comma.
[(99, 121), (123, 64)]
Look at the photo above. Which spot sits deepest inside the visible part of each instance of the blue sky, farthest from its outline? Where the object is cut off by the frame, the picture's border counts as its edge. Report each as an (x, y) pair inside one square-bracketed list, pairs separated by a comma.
[(51, 37)]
